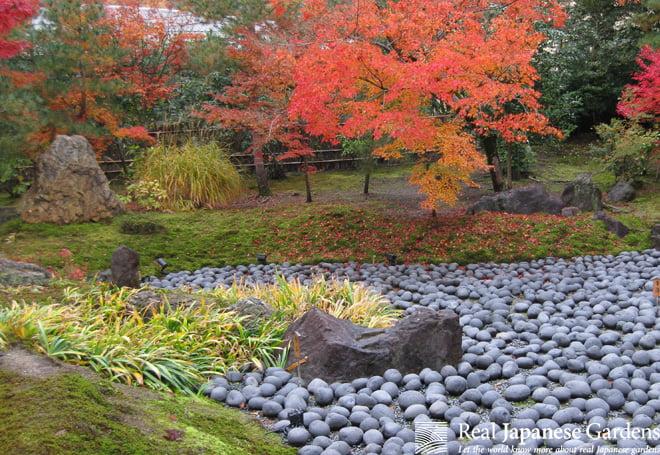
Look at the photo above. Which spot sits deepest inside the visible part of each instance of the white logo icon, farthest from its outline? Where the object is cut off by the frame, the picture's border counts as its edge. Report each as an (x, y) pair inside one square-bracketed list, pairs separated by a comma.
[(431, 438)]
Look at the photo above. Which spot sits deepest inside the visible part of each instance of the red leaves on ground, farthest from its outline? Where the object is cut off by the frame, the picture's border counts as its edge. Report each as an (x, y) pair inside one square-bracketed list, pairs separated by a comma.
[(366, 236)]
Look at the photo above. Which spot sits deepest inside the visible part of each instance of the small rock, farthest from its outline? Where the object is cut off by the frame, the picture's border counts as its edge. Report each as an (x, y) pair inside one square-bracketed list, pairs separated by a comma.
[(621, 192), (570, 211), (125, 266), (298, 437), (252, 310), (583, 194)]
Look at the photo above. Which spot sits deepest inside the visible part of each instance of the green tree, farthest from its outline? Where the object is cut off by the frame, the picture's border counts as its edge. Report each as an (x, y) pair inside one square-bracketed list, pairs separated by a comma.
[(585, 65)]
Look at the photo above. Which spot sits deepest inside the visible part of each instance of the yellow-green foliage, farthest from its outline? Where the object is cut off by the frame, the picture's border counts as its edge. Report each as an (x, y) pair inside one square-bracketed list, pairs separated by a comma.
[(630, 150), (192, 175), (173, 349), (341, 299), (176, 348), (146, 193)]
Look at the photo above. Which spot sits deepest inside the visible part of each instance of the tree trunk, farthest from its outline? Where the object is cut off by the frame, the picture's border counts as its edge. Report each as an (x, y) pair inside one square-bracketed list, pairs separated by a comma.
[(490, 147), (261, 174), (367, 177), (308, 186), (509, 167)]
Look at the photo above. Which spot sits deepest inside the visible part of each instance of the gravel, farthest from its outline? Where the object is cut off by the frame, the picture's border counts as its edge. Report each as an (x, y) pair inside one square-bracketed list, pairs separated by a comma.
[(547, 344)]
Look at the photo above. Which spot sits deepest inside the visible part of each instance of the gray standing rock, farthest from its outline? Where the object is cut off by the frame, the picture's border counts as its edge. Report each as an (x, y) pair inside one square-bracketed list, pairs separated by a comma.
[(338, 350), (583, 194), (125, 267), (621, 192), (69, 186), (655, 236), (525, 200)]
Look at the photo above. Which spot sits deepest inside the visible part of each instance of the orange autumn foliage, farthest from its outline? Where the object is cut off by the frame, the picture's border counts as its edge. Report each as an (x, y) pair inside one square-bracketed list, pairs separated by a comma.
[(150, 51), (117, 57), (422, 77)]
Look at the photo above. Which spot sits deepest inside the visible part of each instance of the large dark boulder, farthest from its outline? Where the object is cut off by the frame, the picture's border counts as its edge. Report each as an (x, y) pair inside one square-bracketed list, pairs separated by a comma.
[(621, 192), (125, 267), (583, 194), (69, 186), (14, 273), (525, 200), (338, 350), (614, 226)]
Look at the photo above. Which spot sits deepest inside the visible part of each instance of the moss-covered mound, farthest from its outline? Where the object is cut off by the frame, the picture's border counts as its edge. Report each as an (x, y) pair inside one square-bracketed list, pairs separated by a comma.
[(48, 408)]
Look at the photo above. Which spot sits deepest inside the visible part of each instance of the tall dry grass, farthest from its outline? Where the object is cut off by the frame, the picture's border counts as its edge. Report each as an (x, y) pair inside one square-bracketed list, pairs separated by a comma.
[(193, 175)]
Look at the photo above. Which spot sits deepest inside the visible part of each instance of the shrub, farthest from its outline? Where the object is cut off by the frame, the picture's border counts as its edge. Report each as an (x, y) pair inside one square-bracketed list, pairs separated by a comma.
[(192, 175), (174, 349), (13, 179), (147, 194), (523, 159), (629, 151)]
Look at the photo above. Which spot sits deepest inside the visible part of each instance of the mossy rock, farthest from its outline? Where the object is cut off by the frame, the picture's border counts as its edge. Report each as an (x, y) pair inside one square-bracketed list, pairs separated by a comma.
[(14, 273)]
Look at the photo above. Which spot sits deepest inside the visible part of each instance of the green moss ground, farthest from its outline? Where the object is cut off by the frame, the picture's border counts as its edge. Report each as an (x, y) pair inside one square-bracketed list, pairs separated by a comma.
[(342, 180), (312, 233), (74, 414)]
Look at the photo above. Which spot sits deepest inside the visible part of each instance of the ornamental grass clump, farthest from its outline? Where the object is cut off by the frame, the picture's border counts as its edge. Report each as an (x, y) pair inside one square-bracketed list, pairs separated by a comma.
[(341, 299), (192, 175), (173, 349)]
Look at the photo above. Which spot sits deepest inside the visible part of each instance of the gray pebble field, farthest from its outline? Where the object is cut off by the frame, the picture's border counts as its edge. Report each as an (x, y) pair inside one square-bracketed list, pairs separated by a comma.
[(564, 348)]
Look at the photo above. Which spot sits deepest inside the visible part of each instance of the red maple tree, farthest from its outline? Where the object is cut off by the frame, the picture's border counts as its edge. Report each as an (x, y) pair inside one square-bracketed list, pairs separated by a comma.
[(12, 14), (641, 100), (258, 99), (422, 77), (152, 50)]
